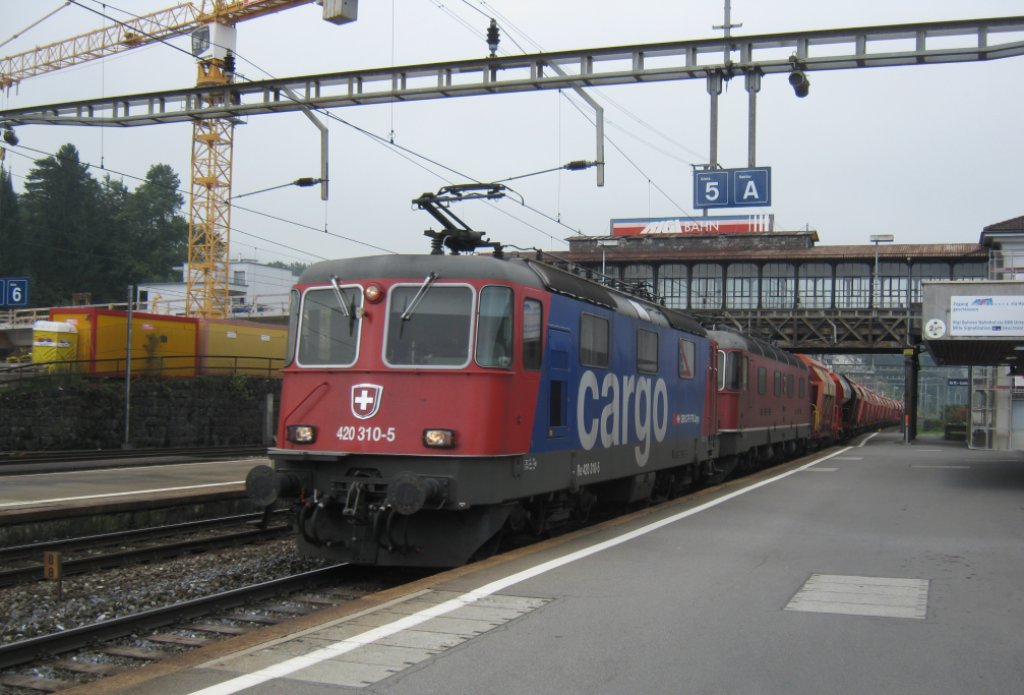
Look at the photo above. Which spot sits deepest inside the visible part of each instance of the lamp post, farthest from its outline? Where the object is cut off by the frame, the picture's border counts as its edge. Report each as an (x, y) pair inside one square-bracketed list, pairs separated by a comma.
[(876, 289), (606, 244)]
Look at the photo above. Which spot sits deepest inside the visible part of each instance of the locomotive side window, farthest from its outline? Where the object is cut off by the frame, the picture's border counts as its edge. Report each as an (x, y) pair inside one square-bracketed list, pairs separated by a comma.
[(778, 383), (789, 385), (293, 326), (733, 376), (533, 322), (494, 328), (686, 356), (429, 326), (594, 345), (762, 380), (646, 351), (328, 330)]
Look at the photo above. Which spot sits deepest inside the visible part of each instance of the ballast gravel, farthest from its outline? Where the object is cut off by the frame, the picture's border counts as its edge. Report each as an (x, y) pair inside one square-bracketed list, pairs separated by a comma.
[(34, 609)]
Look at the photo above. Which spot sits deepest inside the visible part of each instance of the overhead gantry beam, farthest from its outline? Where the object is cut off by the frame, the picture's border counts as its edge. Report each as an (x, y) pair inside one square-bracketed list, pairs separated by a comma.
[(833, 49)]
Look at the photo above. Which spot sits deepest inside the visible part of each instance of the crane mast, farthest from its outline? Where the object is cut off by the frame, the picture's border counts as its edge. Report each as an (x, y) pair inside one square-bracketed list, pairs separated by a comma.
[(207, 273)]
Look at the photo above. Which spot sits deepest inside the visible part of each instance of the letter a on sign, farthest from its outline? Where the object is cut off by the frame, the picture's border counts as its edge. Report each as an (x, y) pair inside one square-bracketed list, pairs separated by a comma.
[(753, 187)]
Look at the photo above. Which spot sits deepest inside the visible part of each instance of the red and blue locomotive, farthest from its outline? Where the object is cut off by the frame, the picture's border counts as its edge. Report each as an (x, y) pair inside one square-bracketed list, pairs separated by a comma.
[(431, 403)]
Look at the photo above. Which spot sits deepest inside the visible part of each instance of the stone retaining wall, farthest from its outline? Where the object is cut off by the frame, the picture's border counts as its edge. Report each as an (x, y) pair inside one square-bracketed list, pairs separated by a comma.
[(75, 413)]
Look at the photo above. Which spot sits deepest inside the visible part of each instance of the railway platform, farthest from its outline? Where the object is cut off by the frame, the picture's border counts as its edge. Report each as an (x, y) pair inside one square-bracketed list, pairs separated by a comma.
[(41, 501), (880, 567)]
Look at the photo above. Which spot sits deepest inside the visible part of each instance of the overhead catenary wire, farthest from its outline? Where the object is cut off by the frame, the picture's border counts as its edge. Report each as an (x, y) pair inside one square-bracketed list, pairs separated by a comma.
[(238, 207), (34, 24), (403, 151), (509, 25), (385, 141)]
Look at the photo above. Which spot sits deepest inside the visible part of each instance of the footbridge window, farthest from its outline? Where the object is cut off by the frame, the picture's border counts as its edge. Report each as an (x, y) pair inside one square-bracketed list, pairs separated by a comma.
[(778, 286), (970, 270), (706, 283), (673, 285), (741, 286), (925, 271), (638, 278), (893, 284), (853, 285), (814, 286)]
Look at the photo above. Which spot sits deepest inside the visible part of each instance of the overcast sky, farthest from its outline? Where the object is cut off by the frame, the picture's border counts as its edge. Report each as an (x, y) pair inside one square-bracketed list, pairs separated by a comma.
[(927, 153)]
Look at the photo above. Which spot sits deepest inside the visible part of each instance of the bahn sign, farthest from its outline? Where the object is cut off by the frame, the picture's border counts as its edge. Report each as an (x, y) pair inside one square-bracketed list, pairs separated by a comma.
[(722, 224), (732, 188)]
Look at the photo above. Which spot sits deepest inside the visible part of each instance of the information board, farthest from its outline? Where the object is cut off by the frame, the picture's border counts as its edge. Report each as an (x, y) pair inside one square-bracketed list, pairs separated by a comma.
[(732, 188), (13, 292)]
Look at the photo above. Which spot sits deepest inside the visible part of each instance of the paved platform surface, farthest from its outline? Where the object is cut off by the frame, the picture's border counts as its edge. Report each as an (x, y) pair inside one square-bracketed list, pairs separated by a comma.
[(883, 568), (34, 495)]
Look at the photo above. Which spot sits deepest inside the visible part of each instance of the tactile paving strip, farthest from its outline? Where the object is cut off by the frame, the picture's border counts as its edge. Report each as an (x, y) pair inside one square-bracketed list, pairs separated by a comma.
[(888, 597), (377, 660)]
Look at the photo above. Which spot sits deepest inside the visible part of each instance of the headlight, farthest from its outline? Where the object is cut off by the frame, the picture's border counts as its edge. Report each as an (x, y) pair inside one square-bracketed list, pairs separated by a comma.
[(439, 439), (301, 434)]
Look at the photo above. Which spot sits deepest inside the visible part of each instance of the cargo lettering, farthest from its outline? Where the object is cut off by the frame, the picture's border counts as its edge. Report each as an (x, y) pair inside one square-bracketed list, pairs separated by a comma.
[(639, 401)]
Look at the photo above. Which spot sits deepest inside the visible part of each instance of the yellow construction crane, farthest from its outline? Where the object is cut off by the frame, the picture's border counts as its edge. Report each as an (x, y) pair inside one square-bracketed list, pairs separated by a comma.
[(212, 25)]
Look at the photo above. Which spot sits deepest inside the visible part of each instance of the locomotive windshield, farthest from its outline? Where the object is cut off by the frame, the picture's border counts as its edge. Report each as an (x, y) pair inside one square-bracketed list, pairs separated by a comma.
[(329, 327), (494, 328), (436, 334)]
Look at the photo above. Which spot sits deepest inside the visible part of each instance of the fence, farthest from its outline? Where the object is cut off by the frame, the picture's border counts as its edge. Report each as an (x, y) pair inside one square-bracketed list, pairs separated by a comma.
[(157, 366)]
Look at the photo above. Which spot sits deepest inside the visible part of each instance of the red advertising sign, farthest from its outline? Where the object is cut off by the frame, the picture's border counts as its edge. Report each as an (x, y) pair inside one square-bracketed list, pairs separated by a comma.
[(731, 224)]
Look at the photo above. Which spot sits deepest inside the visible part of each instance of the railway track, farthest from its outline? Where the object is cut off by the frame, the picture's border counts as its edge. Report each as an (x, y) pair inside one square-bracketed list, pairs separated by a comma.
[(24, 563), (53, 662)]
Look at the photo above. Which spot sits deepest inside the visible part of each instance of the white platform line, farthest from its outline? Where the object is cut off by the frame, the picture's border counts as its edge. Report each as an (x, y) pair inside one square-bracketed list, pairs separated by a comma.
[(344, 646), (118, 494)]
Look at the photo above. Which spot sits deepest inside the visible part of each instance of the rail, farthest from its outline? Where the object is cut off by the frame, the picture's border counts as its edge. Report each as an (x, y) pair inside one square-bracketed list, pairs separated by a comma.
[(29, 650)]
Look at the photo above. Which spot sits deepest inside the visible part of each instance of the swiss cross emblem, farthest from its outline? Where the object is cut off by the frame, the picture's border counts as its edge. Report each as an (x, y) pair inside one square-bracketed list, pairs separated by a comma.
[(366, 400)]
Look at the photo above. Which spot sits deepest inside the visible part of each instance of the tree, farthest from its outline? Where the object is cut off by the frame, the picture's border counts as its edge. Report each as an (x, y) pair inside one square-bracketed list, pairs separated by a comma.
[(156, 234), (296, 267), (62, 234), (10, 228), (80, 235)]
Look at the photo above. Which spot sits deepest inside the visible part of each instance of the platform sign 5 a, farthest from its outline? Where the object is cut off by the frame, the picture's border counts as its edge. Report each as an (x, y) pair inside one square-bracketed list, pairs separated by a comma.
[(732, 188), (13, 292)]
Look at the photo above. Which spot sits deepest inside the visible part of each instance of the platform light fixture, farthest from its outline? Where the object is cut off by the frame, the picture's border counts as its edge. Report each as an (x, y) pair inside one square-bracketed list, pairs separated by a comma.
[(799, 82), (606, 244)]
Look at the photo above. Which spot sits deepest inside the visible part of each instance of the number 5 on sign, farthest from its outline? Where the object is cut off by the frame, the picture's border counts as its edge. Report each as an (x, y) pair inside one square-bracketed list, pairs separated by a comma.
[(711, 189)]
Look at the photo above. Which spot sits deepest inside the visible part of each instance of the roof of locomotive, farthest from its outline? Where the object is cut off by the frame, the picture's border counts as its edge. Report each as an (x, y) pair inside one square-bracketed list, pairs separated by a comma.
[(419, 266), (516, 270), (731, 339)]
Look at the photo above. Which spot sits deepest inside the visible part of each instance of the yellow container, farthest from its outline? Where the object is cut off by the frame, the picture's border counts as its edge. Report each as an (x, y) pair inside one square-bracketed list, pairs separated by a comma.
[(165, 346), (55, 344), (241, 347)]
